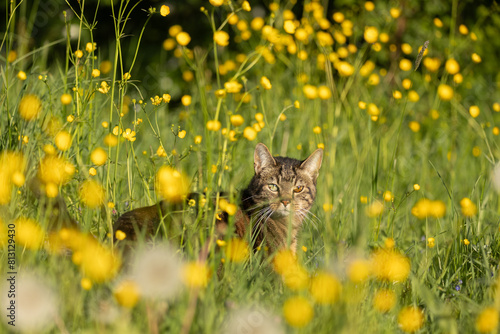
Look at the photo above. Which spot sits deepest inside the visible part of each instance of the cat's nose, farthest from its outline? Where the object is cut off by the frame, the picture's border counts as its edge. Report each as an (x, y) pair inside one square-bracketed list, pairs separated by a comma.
[(285, 202)]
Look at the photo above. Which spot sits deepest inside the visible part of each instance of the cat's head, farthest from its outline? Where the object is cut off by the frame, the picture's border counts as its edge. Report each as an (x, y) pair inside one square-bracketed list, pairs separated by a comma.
[(283, 185)]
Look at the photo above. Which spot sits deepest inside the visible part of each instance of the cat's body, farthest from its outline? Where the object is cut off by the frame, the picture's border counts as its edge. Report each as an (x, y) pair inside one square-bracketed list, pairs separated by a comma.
[(272, 208)]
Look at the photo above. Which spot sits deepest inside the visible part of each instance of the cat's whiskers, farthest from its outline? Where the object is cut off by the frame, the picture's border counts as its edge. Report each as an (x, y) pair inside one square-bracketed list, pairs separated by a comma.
[(309, 217)]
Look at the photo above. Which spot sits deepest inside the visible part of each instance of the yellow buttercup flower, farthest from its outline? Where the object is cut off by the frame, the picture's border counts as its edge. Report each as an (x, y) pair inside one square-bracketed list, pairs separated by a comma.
[(384, 300), (249, 133), (66, 99), (359, 270), (99, 156), (469, 209), (452, 66), (221, 38), (127, 293), (325, 288), (171, 184), (265, 83), (164, 10), (411, 319), (183, 38), (487, 320), (196, 274), (445, 92), (97, 262), (30, 107), (371, 34), (92, 194), (63, 140), (298, 311), (236, 250), (29, 234), (389, 265), (55, 169)]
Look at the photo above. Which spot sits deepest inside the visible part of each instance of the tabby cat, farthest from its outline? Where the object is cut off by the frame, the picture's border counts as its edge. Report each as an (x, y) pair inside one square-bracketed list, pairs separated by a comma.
[(272, 208)]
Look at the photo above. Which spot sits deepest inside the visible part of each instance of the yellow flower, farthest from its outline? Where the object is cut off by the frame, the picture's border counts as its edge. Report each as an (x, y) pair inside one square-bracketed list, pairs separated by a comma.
[(474, 111), (432, 64), (29, 234), (105, 66), (298, 312), (296, 278), (92, 193), (221, 38), (79, 53), (369, 6), (410, 319), (249, 133), (388, 197), (431, 242), (63, 140), (414, 126), (66, 99), (375, 209), (164, 10), (359, 270), (12, 56), (413, 96), (469, 209), (127, 76), (99, 156), (97, 262), (110, 140), (289, 27), (371, 34), (196, 274), (30, 107), (198, 139), (425, 208), (104, 87), (405, 65), (367, 68), (21, 75), (120, 235), (182, 134), (466, 242), (186, 100), (171, 184), (445, 92), (89, 47), (246, 6), (86, 283), (310, 91), (233, 86), (389, 265), (487, 320), (476, 58), (265, 83), (438, 23), (95, 73), (183, 38), (213, 125), (127, 293), (237, 120), (54, 169), (395, 12), (452, 66), (345, 69), (236, 250), (216, 3), (129, 135), (384, 300)]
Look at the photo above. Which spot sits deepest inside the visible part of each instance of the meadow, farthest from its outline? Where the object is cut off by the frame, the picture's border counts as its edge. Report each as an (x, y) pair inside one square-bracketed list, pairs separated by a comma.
[(403, 236)]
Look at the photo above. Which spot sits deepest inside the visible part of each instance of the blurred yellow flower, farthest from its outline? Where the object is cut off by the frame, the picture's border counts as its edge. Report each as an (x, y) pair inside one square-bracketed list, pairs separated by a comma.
[(236, 250), (375, 209), (474, 111), (487, 320), (92, 193), (95, 73), (411, 319), (469, 209), (476, 58), (183, 38), (431, 242), (445, 92), (367, 68), (97, 262), (63, 140), (250, 133), (395, 12), (233, 86), (86, 283), (213, 125), (104, 87), (120, 235), (265, 83), (30, 107), (127, 293), (99, 156), (196, 274), (405, 65), (384, 300), (21, 75), (310, 91), (345, 69), (452, 66), (237, 120), (369, 6), (171, 184), (389, 265), (186, 100), (66, 99), (359, 270), (55, 169), (164, 10), (216, 3), (371, 34), (426, 208), (298, 312), (221, 38), (29, 234), (110, 140)]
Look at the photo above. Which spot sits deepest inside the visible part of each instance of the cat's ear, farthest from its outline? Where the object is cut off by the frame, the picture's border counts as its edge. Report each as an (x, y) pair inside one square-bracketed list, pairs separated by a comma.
[(262, 158), (312, 164)]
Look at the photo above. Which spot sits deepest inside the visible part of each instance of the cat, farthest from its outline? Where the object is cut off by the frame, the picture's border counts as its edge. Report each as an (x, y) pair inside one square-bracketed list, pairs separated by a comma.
[(272, 207)]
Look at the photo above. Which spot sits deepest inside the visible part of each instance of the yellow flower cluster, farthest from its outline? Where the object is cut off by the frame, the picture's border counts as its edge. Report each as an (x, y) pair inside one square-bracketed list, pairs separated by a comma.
[(12, 168), (427, 208), (390, 265)]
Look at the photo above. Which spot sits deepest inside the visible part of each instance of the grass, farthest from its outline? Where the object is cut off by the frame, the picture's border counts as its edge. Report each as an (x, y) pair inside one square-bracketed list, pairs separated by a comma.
[(366, 195)]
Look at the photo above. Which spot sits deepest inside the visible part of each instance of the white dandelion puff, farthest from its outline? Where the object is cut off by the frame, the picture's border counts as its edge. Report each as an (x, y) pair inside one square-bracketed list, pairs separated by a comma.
[(33, 304), (158, 272), (253, 320)]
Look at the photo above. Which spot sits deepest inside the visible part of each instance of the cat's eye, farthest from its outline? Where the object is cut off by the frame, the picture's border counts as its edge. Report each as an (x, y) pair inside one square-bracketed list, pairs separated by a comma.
[(298, 189), (273, 187)]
